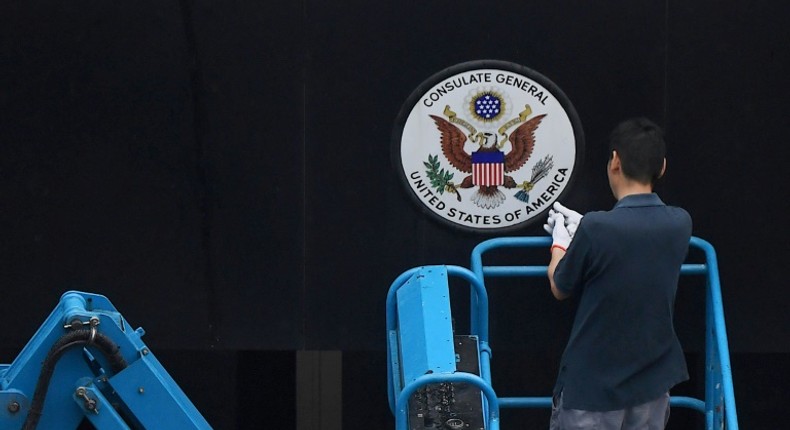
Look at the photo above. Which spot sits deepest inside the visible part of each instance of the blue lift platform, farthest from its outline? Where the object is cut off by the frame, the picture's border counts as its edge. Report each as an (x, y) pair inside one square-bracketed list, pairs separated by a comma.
[(428, 377)]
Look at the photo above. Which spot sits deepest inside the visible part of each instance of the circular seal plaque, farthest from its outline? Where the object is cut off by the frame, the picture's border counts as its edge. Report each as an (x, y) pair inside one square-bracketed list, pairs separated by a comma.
[(487, 146)]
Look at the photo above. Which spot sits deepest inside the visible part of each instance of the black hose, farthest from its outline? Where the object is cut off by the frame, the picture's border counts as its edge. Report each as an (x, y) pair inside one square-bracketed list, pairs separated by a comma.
[(84, 337)]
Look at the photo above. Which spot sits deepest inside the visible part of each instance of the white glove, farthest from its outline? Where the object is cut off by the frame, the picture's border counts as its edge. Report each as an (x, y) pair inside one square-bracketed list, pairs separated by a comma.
[(572, 229), (549, 226), (572, 218), (561, 238)]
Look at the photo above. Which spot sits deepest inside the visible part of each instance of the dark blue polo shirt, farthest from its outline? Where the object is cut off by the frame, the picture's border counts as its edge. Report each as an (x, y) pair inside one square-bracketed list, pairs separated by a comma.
[(623, 266)]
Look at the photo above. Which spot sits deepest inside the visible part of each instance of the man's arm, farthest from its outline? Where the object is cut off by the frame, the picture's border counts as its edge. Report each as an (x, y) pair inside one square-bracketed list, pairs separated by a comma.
[(561, 239), (556, 255)]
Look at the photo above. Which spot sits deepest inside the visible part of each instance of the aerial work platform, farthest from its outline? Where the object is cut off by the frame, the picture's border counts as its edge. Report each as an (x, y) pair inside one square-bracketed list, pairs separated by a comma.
[(439, 379)]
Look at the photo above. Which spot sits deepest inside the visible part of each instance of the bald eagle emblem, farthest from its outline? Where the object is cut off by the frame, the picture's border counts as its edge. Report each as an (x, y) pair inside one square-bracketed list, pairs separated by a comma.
[(488, 166)]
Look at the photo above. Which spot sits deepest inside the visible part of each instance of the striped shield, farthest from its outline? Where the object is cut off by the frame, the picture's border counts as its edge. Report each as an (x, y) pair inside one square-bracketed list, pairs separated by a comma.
[(488, 168)]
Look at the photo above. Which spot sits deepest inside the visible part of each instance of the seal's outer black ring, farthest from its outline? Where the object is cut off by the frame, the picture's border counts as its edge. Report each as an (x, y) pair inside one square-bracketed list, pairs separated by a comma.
[(413, 99)]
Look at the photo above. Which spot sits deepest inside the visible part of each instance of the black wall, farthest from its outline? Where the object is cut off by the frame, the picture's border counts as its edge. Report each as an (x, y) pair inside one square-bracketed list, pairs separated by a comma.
[(221, 171)]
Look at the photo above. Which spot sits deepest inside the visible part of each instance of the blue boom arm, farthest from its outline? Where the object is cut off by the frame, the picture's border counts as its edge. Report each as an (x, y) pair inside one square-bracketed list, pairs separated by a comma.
[(86, 361)]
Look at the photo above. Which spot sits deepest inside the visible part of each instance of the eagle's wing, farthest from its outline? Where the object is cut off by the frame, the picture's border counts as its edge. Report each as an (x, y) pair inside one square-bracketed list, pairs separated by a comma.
[(453, 140), (523, 141)]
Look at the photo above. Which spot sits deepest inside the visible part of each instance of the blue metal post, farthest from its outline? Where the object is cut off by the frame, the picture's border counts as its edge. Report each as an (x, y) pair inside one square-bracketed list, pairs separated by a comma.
[(393, 387), (480, 308), (720, 393)]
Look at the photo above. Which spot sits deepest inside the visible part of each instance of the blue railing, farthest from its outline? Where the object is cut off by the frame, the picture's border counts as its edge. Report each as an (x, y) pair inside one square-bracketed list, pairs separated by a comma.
[(719, 404)]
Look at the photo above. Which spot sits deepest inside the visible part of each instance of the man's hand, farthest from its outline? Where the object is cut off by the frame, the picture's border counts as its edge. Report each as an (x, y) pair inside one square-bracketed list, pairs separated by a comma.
[(572, 218), (549, 226), (561, 238)]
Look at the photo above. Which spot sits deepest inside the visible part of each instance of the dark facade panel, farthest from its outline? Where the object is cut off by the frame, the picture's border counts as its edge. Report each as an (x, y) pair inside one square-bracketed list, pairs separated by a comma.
[(249, 104), (726, 96), (99, 183)]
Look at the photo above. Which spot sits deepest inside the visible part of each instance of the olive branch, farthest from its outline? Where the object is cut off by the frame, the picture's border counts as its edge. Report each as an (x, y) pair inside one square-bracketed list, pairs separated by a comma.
[(441, 180)]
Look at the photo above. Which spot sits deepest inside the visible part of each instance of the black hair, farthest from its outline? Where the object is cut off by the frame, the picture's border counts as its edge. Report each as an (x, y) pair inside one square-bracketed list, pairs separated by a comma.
[(640, 145)]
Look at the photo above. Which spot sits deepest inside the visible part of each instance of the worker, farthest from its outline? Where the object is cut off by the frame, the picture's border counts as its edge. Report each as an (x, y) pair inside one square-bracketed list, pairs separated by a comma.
[(622, 265)]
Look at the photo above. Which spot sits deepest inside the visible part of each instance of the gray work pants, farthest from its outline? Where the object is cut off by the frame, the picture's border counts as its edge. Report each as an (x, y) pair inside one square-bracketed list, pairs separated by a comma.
[(652, 415)]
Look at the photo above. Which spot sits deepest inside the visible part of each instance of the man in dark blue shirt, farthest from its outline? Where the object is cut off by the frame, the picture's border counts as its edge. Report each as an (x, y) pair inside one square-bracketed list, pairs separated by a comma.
[(623, 265)]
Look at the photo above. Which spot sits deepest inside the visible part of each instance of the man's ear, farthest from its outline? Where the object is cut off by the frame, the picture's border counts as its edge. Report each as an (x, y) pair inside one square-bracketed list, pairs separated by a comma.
[(663, 169), (614, 162)]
